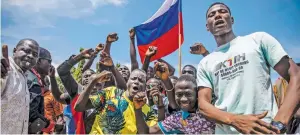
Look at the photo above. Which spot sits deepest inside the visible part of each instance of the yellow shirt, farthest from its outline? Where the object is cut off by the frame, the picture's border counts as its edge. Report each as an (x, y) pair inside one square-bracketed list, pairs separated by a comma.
[(116, 115), (279, 89)]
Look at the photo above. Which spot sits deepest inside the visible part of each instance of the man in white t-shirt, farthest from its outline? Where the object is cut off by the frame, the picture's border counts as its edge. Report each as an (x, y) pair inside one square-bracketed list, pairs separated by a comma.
[(238, 73)]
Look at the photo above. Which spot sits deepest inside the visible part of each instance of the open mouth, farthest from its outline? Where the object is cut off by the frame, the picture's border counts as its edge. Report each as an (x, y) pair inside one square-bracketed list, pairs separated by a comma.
[(124, 74), (27, 63), (219, 22), (135, 88)]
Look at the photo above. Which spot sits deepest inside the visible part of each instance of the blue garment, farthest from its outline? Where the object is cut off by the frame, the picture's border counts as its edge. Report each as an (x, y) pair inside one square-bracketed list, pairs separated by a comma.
[(70, 126)]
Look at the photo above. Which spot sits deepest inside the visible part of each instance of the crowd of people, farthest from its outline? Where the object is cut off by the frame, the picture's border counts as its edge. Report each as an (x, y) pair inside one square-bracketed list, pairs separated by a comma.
[(229, 92)]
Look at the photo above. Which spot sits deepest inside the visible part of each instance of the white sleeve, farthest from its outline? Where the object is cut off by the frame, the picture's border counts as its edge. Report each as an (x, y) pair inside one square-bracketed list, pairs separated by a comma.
[(203, 77), (271, 48)]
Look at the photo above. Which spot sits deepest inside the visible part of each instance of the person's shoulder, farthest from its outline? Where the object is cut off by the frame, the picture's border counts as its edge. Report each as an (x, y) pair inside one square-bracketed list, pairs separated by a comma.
[(32, 79), (205, 60), (110, 88), (257, 35)]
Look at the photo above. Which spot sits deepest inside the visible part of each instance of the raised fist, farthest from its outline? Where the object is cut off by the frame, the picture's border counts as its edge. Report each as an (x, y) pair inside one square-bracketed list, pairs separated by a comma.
[(161, 70), (112, 37), (139, 100), (151, 51), (106, 60), (87, 53), (131, 33), (198, 48)]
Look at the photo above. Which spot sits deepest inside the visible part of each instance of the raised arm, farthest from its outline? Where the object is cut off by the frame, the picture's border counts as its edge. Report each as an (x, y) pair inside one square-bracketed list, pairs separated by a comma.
[(54, 87), (107, 61), (64, 73), (88, 65), (83, 102), (139, 101), (159, 103), (162, 72), (5, 66), (199, 49), (134, 62), (112, 37), (150, 52), (171, 68)]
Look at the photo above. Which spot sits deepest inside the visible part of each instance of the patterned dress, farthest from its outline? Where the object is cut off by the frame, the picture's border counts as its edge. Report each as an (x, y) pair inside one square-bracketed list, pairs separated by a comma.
[(187, 123), (116, 115)]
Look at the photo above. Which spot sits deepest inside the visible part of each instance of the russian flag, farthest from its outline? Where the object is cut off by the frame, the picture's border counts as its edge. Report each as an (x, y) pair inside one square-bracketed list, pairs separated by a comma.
[(77, 118), (161, 30)]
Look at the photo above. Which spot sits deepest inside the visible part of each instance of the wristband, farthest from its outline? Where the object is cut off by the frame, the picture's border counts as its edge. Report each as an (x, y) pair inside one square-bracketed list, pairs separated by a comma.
[(279, 126)]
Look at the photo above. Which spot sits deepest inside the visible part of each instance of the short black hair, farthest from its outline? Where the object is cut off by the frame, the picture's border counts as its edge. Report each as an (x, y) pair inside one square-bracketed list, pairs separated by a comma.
[(89, 70), (218, 3), (187, 78), (189, 66), (22, 41), (298, 64)]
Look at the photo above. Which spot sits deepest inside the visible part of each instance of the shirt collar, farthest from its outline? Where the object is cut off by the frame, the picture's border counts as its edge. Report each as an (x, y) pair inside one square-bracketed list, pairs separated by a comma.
[(226, 46), (126, 98), (11, 60), (186, 114)]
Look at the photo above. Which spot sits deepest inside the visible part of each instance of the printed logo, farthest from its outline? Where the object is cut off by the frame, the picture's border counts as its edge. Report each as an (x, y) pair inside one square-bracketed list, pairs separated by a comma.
[(231, 67)]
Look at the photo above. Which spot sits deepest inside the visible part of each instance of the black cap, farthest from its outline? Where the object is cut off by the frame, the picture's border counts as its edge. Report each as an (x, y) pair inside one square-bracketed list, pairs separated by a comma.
[(44, 54)]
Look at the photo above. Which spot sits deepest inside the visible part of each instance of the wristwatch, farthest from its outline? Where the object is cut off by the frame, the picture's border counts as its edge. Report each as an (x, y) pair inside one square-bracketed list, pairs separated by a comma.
[(279, 125)]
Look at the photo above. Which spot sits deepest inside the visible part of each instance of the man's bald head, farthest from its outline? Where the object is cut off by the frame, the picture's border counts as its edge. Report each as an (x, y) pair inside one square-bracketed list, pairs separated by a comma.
[(27, 41)]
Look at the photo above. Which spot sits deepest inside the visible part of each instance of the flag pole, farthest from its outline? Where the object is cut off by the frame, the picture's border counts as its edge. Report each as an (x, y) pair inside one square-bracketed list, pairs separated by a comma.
[(179, 42)]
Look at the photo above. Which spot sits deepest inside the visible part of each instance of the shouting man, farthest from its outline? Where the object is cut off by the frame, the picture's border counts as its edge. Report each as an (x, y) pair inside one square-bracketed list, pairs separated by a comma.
[(238, 73)]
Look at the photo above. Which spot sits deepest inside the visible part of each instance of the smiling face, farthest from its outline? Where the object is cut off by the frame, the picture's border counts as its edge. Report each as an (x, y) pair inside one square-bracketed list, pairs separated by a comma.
[(186, 95), (136, 82), (219, 20), (26, 54), (124, 71)]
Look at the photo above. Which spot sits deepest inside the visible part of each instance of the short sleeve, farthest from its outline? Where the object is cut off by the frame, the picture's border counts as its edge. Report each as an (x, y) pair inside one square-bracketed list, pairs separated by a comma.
[(151, 118), (98, 100), (271, 48), (203, 78), (170, 125)]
